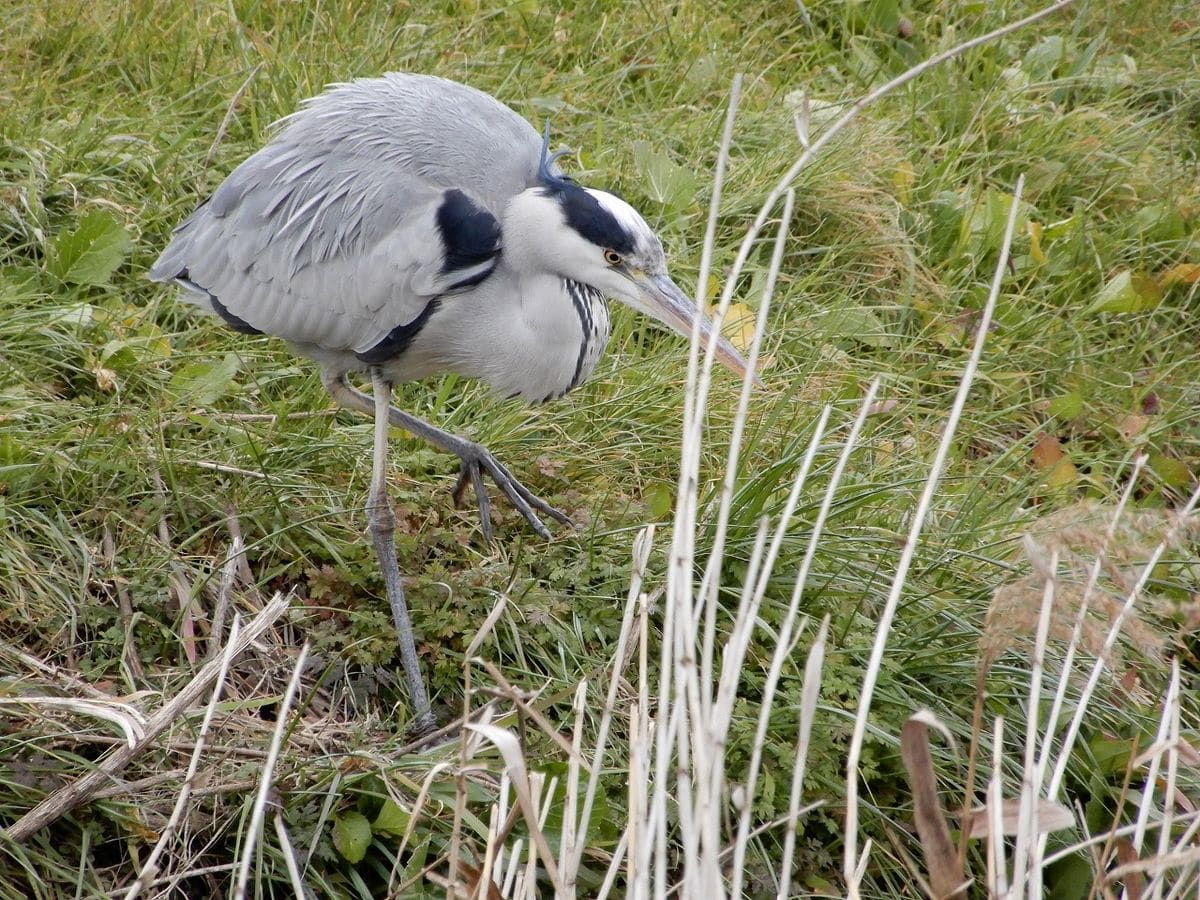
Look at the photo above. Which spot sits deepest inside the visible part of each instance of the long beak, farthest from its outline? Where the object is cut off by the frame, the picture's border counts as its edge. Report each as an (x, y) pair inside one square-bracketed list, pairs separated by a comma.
[(661, 298)]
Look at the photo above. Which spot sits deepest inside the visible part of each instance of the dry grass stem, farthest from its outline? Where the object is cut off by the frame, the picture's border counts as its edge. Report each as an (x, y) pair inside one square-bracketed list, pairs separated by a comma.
[(997, 862), (809, 694), (230, 111), (850, 859), (85, 787), (180, 587), (266, 784), (783, 644), (1102, 552), (229, 573), (1072, 733), (130, 720), (526, 791), (1027, 853), (299, 888), (223, 468), (150, 869)]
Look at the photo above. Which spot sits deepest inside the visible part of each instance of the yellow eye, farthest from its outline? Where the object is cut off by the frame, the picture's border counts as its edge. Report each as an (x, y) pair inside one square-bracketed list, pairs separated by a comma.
[(612, 257)]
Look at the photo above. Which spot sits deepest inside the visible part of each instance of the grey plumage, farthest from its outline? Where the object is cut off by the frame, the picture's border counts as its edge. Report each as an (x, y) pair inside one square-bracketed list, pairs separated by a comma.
[(322, 237), (406, 226)]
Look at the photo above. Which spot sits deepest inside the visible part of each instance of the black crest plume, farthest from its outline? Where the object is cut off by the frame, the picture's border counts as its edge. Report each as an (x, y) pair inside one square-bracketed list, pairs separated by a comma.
[(545, 175)]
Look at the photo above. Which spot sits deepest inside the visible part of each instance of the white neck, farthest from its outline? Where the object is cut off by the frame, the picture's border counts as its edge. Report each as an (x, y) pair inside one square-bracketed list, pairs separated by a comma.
[(532, 229)]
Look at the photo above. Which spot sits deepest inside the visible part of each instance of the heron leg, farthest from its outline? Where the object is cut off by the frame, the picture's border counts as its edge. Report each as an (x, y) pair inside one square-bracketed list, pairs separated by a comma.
[(475, 458), (382, 522)]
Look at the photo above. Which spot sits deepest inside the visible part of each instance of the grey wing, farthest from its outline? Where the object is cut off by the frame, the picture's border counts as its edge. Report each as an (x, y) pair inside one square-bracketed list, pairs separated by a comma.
[(335, 256), (345, 227)]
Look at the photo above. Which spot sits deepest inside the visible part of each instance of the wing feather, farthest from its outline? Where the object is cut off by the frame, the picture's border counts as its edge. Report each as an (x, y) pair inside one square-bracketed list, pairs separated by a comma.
[(330, 234)]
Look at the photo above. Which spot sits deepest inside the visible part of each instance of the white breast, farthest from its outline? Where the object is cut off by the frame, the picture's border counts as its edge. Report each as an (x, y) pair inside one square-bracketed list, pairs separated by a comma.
[(537, 348)]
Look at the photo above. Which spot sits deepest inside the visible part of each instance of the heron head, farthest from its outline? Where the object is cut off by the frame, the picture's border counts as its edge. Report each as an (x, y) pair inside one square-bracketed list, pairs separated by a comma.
[(596, 238)]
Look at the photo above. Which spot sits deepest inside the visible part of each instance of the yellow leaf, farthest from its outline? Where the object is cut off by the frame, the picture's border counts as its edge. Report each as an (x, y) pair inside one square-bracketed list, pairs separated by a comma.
[(738, 326), (1184, 273), (1062, 474), (714, 287), (1034, 229)]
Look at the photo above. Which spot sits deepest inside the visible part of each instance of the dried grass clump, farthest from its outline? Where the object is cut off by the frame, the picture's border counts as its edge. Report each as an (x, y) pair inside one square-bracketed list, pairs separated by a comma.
[(851, 211), (1098, 566)]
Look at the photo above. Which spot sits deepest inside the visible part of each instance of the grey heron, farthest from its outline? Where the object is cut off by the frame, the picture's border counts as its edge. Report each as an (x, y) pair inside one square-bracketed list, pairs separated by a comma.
[(406, 226)]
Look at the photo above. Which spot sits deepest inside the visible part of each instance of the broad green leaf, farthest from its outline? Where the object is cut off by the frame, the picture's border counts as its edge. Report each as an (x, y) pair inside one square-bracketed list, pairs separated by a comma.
[(1125, 292), (1044, 174), (704, 69), (202, 383), (525, 8), (1117, 295), (860, 324), (352, 836), (863, 60), (154, 344), (862, 15), (1061, 474), (1059, 229), (659, 499), (714, 288), (1160, 222), (1172, 472), (1084, 59), (79, 315), (1114, 70), (150, 345), (1109, 755), (1148, 289), (1066, 406), (391, 819), (18, 282), (416, 861), (92, 252), (1044, 57), (984, 228), (665, 181), (1070, 878)]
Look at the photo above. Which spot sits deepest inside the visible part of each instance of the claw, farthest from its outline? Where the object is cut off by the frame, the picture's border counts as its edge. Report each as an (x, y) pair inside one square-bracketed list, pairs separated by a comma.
[(485, 505), (471, 472)]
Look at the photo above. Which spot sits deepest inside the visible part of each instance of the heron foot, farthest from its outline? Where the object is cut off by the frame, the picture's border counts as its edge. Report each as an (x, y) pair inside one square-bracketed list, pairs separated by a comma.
[(476, 460)]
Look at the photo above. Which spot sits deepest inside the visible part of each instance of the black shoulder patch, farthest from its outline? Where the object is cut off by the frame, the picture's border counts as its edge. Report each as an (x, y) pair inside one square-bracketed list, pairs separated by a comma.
[(470, 234), (585, 215), (398, 339)]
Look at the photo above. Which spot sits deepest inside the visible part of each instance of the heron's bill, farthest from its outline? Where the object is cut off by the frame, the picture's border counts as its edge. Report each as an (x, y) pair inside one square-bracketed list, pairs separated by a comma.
[(675, 309)]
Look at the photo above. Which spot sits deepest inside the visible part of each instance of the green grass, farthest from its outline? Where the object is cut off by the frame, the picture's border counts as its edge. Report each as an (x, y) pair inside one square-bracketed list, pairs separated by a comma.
[(116, 402)]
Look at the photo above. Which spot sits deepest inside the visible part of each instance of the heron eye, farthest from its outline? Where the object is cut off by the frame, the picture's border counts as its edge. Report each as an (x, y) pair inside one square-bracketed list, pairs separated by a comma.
[(612, 257)]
